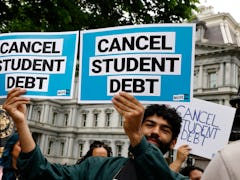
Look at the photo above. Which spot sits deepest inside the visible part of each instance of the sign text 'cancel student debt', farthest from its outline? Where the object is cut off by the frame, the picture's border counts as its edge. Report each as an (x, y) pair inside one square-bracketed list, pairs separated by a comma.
[(134, 61), (32, 64), (30, 60), (137, 64)]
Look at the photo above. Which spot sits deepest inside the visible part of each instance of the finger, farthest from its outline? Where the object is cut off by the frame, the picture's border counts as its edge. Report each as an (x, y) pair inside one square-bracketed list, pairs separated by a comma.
[(117, 107), (185, 146), (130, 103), (14, 98), (15, 93), (15, 103), (121, 103), (188, 148), (116, 101)]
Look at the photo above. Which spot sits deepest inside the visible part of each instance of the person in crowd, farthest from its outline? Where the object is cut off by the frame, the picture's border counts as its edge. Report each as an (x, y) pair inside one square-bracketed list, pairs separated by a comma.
[(97, 148), (193, 172), (151, 131), (182, 154), (6, 128), (224, 166), (8, 160)]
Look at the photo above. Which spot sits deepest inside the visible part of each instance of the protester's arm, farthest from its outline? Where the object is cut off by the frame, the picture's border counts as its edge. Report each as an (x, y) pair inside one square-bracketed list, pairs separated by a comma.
[(132, 111), (15, 105), (34, 166), (182, 154)]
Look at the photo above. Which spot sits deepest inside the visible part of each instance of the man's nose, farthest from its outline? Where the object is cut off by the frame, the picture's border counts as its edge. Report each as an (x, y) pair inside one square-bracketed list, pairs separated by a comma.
[(155, 130)]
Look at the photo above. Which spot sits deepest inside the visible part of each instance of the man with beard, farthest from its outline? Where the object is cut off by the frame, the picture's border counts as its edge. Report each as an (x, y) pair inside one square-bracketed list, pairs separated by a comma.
[(161, 126), (148, 162)]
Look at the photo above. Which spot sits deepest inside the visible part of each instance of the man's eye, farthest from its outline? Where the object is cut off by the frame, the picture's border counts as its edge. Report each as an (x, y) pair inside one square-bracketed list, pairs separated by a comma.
[(166, 131)]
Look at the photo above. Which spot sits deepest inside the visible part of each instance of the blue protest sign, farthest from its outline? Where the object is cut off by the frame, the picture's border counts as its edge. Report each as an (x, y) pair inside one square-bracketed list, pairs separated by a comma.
[(43, 63), (152, 62)]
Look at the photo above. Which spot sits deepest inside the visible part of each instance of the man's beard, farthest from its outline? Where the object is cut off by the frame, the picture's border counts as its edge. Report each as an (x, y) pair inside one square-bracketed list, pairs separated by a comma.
[(164, 147)]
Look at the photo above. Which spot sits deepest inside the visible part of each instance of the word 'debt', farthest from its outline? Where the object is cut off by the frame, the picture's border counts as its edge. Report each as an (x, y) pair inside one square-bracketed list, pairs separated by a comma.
[(197, 125), (122, 54)]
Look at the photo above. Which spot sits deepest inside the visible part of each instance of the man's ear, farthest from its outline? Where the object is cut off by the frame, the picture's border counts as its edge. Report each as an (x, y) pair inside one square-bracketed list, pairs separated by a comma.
[(173, 143)]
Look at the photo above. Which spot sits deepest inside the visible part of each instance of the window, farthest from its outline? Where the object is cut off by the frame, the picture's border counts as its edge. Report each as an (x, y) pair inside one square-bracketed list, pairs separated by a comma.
[(38, 115), (212, 80), (108, 113), (95, 117), (65, 119), (95, 120), (36, 137), (80, 150), (120, 121), (49, 147), (61, 148), (84, 120), (54, 118), (195, 80), (107, 121), (119, 150), (37, 112)]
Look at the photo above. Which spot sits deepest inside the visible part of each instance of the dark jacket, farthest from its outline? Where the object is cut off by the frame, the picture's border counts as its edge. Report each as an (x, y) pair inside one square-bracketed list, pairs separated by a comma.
[(148, 160)]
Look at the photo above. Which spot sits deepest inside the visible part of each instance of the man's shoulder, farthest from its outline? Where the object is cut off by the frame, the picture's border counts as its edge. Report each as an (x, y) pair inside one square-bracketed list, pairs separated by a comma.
[(106, 160), (231, 157), (231, 149)]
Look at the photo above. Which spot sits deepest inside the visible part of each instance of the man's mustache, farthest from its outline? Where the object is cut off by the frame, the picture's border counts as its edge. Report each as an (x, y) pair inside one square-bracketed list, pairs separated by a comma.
[(164, 147), (155, 138)]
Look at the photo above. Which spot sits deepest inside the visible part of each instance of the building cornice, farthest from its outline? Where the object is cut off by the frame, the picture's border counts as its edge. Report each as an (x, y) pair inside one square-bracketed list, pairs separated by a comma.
[(216, 49)]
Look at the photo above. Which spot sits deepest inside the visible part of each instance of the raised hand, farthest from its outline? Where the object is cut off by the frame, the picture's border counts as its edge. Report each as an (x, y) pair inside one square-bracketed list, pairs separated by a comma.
[(15, 105), (132, 111), (182, 154)]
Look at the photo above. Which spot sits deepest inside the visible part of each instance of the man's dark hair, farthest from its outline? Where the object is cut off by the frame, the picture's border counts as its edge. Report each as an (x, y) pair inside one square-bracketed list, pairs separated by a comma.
[(96, 144), (188, 169), (167, 113)]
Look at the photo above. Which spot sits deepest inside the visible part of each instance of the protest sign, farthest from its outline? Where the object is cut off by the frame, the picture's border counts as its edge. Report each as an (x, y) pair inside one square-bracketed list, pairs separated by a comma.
[(152, 62), (206, 126), (42, 63)]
